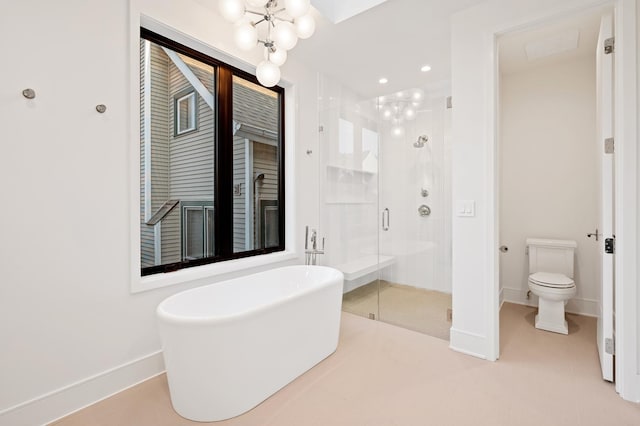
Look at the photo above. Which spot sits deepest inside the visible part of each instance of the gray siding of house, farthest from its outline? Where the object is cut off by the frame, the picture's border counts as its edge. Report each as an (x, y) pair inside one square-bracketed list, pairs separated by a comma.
[(147, 248), (159, 136), (239, 206), (191, 165), (255, 108), (259, 110), (159, 146), (265, 159)]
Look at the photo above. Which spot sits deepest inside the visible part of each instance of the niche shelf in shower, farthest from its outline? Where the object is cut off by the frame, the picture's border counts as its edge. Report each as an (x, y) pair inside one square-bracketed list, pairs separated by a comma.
[(351, 170), (350, 186)]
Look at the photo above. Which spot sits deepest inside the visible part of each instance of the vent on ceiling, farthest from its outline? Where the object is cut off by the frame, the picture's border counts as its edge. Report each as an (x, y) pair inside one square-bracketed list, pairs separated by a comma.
[(559, 43)]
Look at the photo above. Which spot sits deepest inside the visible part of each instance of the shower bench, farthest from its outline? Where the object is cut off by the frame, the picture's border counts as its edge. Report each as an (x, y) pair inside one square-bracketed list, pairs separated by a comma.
[(363, 270)]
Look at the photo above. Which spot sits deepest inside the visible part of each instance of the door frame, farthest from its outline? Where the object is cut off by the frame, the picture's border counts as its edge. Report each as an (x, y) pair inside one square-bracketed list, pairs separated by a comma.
[(626, 291)]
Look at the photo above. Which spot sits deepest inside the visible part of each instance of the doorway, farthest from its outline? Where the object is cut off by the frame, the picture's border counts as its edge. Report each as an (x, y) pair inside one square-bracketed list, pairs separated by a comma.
[(550, 163)]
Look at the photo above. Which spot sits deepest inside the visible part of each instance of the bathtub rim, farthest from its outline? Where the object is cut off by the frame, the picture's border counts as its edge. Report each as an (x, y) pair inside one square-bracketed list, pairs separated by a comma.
[(175, 319)]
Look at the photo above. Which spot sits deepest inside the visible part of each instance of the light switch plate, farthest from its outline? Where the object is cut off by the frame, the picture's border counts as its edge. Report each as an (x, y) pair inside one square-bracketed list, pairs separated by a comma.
[(465, 208)]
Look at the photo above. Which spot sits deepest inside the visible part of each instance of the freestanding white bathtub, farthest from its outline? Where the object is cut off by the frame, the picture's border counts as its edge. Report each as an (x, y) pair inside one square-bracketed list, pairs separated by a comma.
[(229, 346)]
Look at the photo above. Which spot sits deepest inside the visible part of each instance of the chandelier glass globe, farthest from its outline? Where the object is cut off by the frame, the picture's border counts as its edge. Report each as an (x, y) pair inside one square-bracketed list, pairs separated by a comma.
[(246, 36), (268, 73), (257, 3), (231, 10), (297, 8), (305, 26), (277, 57), (284, 35)]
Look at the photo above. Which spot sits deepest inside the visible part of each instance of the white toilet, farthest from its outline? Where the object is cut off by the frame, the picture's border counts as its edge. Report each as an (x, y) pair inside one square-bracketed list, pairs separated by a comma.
[(551, 279)]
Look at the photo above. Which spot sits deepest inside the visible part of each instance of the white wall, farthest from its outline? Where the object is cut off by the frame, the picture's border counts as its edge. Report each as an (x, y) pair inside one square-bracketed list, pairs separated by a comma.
[(475, 240), (71, 331), (548, 179)]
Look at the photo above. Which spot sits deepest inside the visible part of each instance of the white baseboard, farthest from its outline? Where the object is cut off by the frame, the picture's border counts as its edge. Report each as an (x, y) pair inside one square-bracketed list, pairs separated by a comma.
[(468, 343), (76, 396), (585, 307)]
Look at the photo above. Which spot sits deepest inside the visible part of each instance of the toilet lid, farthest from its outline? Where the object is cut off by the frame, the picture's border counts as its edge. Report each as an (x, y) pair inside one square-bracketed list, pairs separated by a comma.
[(549, 279)]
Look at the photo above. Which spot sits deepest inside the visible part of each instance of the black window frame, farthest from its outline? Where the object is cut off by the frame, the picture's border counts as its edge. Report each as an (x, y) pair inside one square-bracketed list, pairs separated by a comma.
[(223, 168)]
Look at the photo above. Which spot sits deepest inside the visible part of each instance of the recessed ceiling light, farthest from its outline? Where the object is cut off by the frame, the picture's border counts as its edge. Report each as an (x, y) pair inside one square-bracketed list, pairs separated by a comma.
[(425, 68), (383, 81)]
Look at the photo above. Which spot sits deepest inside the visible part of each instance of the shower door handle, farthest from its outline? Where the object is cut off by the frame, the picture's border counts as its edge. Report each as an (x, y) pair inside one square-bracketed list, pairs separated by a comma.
[(385, 215)]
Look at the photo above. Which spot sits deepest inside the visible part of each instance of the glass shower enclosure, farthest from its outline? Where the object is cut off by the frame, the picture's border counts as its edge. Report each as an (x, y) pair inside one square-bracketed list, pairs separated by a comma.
[(385, 203)]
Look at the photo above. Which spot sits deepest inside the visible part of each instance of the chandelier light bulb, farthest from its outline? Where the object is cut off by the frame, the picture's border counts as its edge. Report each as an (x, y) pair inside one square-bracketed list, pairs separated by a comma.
[(284, 35), (387, 113), (397, 131), (409, 113), (246, 36), (268, 74), (305, 26), (231, 10), (257, 3), (297, 8), (278, 57)]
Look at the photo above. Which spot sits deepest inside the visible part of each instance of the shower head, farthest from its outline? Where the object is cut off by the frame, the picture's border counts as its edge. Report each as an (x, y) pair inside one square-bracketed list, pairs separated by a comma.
[(423, 139), (260, 176)]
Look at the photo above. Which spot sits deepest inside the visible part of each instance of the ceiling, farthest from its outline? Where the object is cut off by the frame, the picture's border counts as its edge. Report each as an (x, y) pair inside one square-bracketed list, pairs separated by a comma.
[(550, 37), (372, 39), (393, 39)]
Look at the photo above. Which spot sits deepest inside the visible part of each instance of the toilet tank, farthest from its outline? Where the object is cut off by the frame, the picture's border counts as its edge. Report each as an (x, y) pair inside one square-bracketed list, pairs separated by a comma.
[(555, 256)]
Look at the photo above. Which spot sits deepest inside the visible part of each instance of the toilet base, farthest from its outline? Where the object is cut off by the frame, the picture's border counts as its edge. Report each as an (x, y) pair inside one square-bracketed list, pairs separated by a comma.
[(551, 316)]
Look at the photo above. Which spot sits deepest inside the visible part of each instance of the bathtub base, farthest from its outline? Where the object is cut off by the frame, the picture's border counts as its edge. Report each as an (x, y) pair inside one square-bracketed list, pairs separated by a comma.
[(221, 371)]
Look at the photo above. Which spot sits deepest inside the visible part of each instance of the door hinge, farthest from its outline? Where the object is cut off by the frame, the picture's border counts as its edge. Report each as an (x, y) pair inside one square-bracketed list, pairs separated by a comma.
[(609, 346), (609, 45), (610, 245), (609, 146)]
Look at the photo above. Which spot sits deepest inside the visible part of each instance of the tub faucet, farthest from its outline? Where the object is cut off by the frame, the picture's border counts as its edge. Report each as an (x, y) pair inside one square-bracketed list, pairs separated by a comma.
[(314, 236), (311, 254)]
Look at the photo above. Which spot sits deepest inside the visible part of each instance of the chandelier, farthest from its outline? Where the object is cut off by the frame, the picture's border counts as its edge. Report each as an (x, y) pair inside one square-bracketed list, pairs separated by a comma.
[(399, 107), (284, 26)]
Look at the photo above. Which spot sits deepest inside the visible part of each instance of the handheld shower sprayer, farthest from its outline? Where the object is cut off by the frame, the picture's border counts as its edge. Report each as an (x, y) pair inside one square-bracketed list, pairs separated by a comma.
[(422, 140)]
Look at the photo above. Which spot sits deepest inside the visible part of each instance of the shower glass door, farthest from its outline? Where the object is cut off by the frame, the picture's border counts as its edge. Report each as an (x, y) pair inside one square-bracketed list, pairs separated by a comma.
[(385, 204), (414, 191)]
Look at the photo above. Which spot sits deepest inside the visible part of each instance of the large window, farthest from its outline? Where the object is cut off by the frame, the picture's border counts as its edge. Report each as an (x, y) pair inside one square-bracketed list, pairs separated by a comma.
[(211, 159)]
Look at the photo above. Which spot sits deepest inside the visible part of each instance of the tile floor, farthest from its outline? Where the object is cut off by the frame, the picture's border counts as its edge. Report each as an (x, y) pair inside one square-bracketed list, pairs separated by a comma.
[(409, 307), (382, 375)]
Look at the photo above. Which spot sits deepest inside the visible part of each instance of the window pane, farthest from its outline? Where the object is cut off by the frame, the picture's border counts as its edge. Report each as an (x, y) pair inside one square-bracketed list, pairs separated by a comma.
[(210, 247), (176, 153), (256, 153), (186, 113), (193, 233)]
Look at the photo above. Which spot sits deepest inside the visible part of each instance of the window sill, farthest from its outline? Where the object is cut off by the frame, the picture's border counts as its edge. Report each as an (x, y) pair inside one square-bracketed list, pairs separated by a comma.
[(183, 276)]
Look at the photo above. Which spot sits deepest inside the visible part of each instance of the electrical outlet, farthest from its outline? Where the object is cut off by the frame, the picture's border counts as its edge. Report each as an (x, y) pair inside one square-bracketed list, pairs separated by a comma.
[(449, 314)]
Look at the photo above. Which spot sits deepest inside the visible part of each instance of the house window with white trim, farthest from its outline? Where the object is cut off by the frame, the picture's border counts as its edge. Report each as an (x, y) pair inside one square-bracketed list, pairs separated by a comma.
[(185, 113)]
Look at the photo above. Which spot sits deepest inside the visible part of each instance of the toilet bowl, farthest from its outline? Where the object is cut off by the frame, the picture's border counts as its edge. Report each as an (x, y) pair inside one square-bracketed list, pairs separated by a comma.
[(553, 291), (551, 279)]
